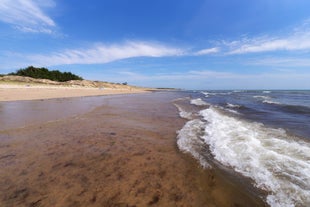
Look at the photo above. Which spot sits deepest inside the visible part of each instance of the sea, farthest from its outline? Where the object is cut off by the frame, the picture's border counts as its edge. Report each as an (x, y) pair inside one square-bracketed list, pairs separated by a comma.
[(260, 135)]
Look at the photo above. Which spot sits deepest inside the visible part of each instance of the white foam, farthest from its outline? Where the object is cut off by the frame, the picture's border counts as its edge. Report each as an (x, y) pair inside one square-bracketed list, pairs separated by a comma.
[(184, 114), (233, 105), (225, 93), (189, 140), (275, 162), (266, 99), (205, 93), (266, 91), (227, 109), (198, 102), (232, 111), (271, 102)]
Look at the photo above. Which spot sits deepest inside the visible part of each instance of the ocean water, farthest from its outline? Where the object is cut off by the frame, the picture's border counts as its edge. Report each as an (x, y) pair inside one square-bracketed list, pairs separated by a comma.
[(260, 135)]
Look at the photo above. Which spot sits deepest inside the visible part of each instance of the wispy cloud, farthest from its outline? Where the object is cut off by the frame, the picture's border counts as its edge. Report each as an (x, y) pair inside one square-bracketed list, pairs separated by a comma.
[(207, 51), (284, 62), (27, 15), (299, 39), (99, 54)]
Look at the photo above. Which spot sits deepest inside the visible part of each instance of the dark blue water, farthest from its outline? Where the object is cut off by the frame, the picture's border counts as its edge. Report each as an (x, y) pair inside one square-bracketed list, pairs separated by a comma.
[(289, 110)]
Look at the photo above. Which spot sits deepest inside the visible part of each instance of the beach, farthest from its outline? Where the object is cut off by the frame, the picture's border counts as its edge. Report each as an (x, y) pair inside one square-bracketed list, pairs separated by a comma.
[(118, 151), (26, 91), (154, 103)]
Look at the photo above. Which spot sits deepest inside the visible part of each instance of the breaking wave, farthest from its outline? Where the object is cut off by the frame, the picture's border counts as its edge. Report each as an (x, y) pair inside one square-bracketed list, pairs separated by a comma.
[(198, 102), (276, 162)]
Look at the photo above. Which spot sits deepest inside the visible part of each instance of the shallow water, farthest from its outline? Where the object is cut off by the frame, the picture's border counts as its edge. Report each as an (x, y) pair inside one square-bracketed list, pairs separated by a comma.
[(121, 153), (16, 114)]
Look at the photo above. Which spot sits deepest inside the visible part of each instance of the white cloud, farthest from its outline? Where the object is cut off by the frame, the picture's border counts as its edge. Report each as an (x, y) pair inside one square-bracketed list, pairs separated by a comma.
[(27, 15), (299, 39), (98, 54), (207, 51)]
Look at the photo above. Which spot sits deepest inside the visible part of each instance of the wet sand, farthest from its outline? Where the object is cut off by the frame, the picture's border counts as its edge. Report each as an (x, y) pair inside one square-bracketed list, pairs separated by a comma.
[(122, 153)]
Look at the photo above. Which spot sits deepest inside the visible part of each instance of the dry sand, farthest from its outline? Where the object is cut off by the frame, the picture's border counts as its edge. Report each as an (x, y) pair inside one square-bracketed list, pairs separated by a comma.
[(13, 92), (123, 153)]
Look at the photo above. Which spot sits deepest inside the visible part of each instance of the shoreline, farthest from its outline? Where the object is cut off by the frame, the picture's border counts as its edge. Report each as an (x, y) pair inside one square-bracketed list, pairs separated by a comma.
[(122, 153)]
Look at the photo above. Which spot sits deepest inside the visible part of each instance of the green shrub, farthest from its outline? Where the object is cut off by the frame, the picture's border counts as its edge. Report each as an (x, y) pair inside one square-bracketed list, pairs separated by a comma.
[(44, 73)]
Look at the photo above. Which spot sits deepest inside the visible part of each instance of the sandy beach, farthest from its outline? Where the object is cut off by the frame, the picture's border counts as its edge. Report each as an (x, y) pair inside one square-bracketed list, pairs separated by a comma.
[(13, 92), (121, 153)]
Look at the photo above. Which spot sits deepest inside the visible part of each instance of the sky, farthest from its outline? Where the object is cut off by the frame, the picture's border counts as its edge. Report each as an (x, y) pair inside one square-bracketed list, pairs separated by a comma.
[(188, 44)]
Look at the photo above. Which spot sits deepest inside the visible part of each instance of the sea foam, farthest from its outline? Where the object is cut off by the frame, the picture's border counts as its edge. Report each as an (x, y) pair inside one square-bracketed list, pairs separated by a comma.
[(229, 105), (198, 102), (184, 114), (189, 140), (276, 162), (267, 99)]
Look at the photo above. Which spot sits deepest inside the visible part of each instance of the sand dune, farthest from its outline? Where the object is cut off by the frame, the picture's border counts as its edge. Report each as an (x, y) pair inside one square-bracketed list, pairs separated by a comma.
[(24, 88)]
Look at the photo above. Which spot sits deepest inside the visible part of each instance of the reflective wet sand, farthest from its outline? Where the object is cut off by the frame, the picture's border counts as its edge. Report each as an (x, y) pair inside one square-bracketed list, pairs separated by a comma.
[(121, 153)]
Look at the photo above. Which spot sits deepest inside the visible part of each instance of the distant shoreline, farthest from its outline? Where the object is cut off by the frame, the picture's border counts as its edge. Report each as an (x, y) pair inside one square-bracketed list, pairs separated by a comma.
[(16, 88), (19, 93)]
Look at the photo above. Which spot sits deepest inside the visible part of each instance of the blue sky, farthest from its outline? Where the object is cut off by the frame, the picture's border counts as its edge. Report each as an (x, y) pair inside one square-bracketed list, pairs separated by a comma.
[(191, 44)]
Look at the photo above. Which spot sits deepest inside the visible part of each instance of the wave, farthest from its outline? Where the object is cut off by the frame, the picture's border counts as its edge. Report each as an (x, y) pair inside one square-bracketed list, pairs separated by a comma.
[(295, 109), (184, 114), (228, 110), (229, 105), (198, 102), (189, 141), (262, 97), (271, 102), (267, 99), (232, 111), (206, 93), (275, 161)]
